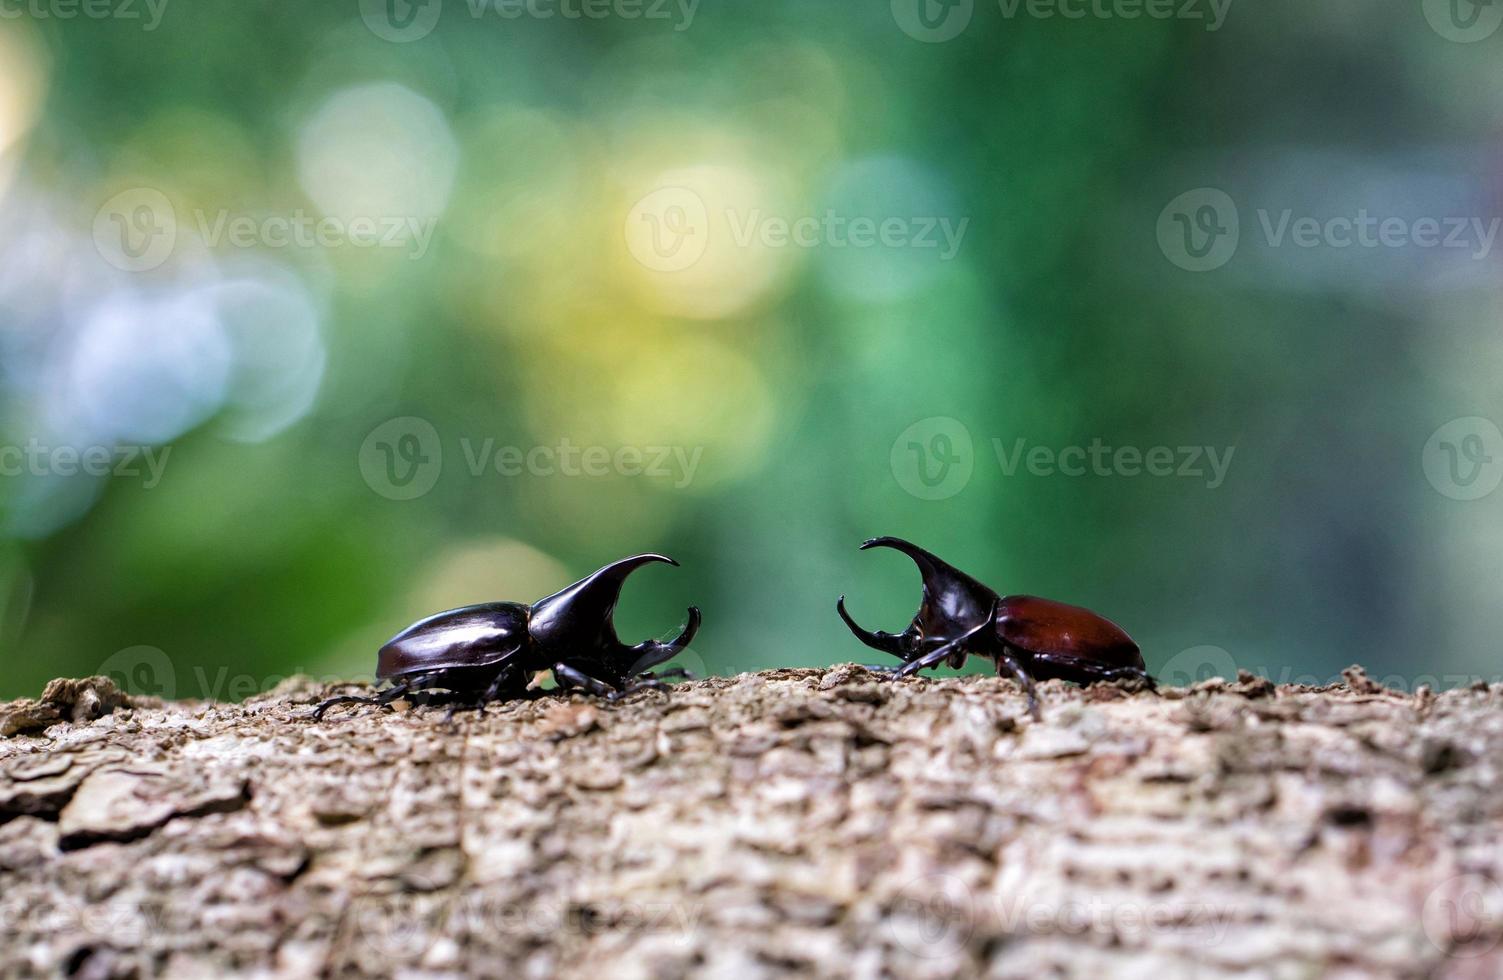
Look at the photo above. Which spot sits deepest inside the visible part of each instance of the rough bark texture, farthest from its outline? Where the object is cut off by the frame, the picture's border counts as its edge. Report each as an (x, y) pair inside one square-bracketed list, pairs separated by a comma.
[(802, 821)]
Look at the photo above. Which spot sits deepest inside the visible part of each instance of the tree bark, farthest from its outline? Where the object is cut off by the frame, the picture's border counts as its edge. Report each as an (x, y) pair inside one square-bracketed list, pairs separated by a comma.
[(809, 821)]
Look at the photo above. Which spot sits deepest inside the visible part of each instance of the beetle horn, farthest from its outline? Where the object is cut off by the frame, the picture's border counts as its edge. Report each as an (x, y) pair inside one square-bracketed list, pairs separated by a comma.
[(581, 614), (954, 602), (886, 642), (929, 564)]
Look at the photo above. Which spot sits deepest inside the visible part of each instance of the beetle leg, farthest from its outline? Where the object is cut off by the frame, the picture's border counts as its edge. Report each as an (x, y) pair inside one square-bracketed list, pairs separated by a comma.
[(673, 672), (641, 683), (573, 677), (502, 676), (1005, 659), (1083, 671), (1129, 673), (385, 697), (485, 697), (1122, 673), (886, 642), (955, 650), (933, 658)]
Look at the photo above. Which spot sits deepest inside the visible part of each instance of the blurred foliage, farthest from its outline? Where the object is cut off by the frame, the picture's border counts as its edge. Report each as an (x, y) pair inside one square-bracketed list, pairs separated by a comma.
[(526, 145)]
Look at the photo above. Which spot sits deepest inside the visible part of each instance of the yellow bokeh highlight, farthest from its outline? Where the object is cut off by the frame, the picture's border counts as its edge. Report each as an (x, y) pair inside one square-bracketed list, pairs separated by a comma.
[(23, 85), (486, 570), (692, 242)]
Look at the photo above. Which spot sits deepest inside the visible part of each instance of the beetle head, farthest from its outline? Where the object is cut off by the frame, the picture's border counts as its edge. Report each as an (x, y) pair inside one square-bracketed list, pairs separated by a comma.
[(579, 619), (953, 605)]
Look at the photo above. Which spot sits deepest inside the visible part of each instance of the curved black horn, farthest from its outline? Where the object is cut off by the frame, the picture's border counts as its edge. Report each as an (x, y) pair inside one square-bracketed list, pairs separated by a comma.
[(953, 603), (581, 614), (928, 563), (886, 642), (650, 653)]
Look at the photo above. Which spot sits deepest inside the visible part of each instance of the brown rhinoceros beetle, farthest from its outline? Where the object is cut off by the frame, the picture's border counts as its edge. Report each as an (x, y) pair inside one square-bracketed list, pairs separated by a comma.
[(490, 651), (1028, 637)]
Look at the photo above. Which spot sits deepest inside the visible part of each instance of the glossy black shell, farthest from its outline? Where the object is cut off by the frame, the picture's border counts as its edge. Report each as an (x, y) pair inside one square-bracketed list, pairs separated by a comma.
[(483, 635)]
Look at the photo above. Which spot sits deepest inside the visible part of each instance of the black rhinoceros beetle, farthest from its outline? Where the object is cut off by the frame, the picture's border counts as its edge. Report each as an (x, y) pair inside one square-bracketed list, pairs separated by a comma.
[(1028, 637), (490, 651)]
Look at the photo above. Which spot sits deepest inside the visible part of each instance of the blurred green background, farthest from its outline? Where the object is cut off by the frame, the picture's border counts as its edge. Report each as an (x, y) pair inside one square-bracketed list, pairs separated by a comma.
[(299, 275)]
